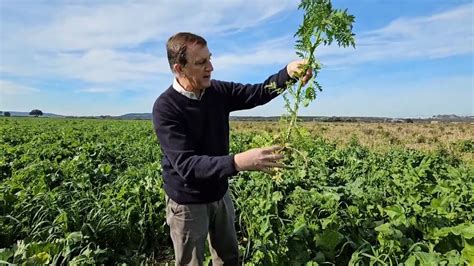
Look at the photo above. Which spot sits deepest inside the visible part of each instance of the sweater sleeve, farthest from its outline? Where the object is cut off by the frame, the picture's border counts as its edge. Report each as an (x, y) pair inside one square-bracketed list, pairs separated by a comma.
[(180, 150), (247, 96)]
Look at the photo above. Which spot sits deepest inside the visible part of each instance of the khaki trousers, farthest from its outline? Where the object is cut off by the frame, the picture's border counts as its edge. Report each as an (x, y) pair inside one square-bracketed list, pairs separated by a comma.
[(191, 224)]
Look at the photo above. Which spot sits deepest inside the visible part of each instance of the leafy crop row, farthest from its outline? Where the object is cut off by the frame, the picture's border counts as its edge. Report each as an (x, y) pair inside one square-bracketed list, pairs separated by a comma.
[(90, 192), (354, 206), (79, 192)]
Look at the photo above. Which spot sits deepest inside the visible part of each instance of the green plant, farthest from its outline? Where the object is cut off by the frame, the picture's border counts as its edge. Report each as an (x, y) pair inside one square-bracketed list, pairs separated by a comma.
[(94, 195), (322, 25)]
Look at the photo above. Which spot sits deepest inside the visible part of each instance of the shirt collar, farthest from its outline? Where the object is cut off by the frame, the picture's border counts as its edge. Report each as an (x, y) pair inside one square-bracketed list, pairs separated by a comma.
[(188, 94)]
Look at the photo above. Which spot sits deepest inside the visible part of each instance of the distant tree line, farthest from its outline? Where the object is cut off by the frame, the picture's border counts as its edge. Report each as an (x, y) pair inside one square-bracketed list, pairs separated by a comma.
[(34, 112)]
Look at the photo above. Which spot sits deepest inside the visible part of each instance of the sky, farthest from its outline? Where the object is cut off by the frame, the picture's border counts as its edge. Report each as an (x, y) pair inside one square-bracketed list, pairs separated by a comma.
[(413, 58)]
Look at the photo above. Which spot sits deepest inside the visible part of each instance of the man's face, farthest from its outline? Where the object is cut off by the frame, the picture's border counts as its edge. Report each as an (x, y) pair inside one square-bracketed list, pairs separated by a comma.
[(196, 74)]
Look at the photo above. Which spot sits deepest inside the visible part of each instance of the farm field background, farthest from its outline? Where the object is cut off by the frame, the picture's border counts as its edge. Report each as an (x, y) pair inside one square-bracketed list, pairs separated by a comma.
[(90, 191), (456, 137)]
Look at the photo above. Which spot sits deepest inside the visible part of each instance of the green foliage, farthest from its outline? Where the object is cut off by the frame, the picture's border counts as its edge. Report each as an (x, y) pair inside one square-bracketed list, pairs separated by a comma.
[(353, 206), (36, 112), (80, 192), (90, 192), (466, 145), (322, 25)]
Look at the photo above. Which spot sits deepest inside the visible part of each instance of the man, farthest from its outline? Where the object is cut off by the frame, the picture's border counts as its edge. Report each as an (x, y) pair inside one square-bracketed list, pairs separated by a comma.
[(191, 120)]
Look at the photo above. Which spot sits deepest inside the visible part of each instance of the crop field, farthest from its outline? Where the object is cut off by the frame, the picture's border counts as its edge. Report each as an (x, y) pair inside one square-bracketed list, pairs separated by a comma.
[(90, 192), (455, 137)]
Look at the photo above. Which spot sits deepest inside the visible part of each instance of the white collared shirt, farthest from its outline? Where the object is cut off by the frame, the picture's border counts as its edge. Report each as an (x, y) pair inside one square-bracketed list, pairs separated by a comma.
[(189, 94)]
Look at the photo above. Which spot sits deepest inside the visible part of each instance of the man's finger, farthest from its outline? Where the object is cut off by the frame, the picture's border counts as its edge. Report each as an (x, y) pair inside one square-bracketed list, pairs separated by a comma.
[(307, 76), (271, 149), (274, 157)]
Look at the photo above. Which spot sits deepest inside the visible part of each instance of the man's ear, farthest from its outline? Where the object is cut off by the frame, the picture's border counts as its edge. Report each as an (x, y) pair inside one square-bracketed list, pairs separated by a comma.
[(178, 69)]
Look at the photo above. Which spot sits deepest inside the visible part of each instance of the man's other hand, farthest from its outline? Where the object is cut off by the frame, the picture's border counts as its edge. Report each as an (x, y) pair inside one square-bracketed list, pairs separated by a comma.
[(259, 159)]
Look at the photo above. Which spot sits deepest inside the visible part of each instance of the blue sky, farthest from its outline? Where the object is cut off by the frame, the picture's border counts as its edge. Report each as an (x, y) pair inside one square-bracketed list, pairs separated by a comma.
[(84, 57)]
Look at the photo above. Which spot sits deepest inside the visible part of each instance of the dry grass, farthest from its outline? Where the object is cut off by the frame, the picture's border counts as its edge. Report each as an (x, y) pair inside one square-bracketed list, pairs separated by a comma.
[(383, 136)]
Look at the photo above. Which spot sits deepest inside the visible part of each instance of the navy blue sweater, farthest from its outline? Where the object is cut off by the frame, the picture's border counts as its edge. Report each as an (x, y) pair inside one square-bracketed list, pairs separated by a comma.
[(194, 136)]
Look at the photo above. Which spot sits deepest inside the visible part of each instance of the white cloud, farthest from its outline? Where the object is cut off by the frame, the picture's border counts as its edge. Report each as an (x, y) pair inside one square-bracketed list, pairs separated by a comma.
[(258, 57), (422, 98), (95, 90), (92, 66), (112, 46), (438, 36), (99, 66), (12, 88), (112, 25), (98, 42), (85, 40)]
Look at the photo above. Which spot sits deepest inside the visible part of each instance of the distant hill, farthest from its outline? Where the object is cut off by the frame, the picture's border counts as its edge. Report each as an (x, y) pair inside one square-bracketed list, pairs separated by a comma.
[(442, 118), (453, 117), (147, 116)]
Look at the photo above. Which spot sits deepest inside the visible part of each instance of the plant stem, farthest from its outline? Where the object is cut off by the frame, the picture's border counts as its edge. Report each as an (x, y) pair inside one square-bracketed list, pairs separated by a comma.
[(298, 98), (294, 116)]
